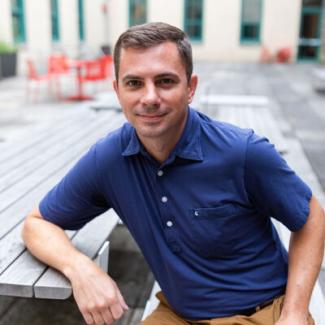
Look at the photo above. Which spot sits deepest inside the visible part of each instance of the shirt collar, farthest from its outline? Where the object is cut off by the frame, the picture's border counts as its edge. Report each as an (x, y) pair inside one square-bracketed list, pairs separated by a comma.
[(188, 147)]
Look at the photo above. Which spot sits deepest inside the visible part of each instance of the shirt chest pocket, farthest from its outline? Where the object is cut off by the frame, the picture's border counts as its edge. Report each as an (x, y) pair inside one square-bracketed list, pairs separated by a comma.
[(216, 231)]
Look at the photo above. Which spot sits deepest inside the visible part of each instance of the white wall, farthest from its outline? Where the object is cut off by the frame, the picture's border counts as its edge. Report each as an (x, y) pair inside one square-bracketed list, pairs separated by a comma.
[(221, 33), (221, 19), (5, 22), (281, 24), (38, 25), (168, 11), (118, 16), (38, 35), (94, 24), (69, 33)]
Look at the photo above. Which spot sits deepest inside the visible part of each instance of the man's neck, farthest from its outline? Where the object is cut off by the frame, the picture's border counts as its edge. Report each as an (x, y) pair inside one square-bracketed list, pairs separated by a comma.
[(159, 150)]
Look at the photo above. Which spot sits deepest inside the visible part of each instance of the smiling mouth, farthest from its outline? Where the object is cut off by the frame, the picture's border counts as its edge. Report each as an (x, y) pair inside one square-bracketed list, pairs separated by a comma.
[(151, 117)]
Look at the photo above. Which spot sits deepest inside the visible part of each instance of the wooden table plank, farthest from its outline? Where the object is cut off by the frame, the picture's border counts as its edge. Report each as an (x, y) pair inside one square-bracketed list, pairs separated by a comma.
[(31, 154), (19, 278), (259, 119), (34, 137), (33, 180), (41, 156)]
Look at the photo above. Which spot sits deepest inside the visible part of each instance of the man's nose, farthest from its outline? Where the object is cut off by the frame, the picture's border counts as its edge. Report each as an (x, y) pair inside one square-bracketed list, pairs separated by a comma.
[(151, 96)]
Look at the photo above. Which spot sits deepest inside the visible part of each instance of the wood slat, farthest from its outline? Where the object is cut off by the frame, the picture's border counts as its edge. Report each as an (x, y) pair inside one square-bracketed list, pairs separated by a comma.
[(259, 119), (11, 245), (234, 100), (42, 158), (45, 144), (37, 135), (103, 256), (19, 278), (17, 211), (20, 189)]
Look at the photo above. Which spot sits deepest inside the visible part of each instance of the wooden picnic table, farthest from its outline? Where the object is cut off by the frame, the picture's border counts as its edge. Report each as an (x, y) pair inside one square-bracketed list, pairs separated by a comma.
[(27, 171)]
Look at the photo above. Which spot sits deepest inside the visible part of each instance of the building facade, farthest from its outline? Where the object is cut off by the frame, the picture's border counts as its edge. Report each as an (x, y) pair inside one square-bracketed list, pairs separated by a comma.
[(223, 30)]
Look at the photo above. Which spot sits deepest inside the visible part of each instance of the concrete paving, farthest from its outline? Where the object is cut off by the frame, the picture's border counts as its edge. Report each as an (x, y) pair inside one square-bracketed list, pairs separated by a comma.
[(298, 109)]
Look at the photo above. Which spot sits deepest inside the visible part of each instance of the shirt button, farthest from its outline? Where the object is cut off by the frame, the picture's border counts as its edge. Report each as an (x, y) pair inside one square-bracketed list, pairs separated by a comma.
[(164, 199), (160, 173), (196, 213), (169, 223)]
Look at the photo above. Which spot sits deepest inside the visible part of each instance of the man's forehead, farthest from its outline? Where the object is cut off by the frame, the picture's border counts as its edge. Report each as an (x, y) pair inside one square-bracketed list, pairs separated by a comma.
[(164, 56), (161, 47)]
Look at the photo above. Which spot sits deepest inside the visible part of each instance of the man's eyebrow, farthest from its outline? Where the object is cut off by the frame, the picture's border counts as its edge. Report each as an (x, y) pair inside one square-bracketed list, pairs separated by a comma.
[(167, 75), (131, 77)]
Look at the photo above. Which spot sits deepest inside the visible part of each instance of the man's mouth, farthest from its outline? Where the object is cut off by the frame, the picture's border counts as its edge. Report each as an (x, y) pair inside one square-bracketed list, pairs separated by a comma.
[(151, 117)]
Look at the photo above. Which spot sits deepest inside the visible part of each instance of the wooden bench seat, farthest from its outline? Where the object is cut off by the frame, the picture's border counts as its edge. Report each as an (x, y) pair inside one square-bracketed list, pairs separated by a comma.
[(28, 170), (319, 79), (259, 119)]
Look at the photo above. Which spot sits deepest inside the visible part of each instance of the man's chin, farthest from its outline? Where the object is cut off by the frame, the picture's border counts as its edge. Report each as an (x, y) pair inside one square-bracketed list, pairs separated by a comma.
[(150, 132)]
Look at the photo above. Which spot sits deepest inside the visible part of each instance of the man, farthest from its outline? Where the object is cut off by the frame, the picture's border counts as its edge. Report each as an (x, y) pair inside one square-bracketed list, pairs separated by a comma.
[(197, 196)]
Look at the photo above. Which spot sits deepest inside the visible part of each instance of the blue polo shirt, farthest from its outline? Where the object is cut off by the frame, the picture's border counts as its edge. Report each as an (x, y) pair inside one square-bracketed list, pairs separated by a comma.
[(201, 218)]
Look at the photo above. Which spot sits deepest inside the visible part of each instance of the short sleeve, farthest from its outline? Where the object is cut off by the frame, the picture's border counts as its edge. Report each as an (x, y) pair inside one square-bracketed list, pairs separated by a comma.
[(77, 198), (273, 187)]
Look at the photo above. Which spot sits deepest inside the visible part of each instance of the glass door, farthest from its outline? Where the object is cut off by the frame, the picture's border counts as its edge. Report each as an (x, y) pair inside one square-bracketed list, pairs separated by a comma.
[(310, 30)]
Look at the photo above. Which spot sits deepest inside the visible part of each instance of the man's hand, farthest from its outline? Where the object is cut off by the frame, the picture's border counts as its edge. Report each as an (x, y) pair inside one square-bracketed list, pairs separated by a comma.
[(294, 319), (96, 294)]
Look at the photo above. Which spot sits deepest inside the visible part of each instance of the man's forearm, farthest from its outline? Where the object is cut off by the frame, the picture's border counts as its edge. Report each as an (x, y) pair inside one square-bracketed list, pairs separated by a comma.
[(305, 257), (49, 243), (96, 294)]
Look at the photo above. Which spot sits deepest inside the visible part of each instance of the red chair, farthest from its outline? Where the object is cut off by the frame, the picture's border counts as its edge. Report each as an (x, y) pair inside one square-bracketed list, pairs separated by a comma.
[(106, 66), (95, 71), (58, 66), (33, 77)]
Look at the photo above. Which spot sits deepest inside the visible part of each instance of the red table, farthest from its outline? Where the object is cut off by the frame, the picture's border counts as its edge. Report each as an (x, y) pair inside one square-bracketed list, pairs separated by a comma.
[(79, 65)]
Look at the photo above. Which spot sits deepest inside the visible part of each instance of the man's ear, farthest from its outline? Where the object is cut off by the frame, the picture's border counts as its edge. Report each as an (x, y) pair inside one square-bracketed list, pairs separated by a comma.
[(115, 86), (192, 87)]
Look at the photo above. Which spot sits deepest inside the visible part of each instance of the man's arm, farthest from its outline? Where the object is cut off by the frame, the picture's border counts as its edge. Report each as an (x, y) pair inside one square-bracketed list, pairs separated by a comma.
[(96, 294), (306, 252)]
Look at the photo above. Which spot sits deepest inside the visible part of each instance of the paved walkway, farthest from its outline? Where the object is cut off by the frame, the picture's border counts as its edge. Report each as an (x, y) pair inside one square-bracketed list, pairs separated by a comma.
[(298, 110)]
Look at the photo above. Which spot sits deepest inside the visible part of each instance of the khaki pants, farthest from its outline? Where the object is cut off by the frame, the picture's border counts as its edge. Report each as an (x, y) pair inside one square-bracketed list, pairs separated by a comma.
[(163, 315)]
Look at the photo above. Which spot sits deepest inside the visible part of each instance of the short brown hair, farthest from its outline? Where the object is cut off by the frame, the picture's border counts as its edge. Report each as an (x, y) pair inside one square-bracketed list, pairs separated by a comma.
[(152, 34)]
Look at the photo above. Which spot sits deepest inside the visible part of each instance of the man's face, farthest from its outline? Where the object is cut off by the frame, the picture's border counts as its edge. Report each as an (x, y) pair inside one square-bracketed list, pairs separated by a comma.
[(154, 91)]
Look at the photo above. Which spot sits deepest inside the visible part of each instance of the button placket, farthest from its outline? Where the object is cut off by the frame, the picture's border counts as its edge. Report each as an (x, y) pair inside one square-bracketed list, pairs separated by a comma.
[(166, 212)]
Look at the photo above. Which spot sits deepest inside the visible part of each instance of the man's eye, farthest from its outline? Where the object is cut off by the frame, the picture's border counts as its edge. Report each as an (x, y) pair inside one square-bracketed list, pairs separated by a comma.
[(166, 81), (133, 83)]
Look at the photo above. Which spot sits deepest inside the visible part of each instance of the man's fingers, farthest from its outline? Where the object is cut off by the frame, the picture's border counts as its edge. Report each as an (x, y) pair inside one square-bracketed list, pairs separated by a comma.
[(121, 300), (98, 319), (117, 311), (107, 316), (88, 318)]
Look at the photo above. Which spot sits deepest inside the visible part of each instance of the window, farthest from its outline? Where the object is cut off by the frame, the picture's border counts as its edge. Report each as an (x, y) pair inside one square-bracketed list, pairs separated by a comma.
[(251, 21), (81, 25), (310, 36), (312, 3), (18, 20), (137, 12), (55, 20), (193, 19)]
